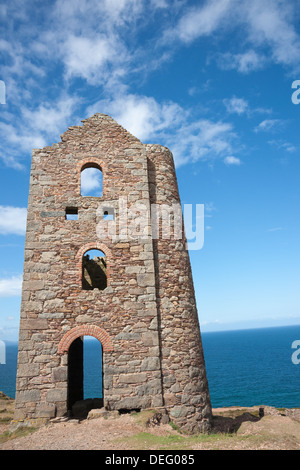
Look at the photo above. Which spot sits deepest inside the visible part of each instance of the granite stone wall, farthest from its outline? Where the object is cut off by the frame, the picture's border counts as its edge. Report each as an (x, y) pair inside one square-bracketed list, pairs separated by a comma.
[(146, 318)]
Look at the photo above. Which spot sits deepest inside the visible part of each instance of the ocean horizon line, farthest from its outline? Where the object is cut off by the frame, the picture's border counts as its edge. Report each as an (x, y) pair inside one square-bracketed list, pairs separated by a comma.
[(203, 331)]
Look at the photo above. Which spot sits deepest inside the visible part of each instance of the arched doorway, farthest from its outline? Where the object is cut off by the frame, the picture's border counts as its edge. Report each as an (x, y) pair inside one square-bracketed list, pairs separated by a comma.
[(85, 376), (72, 343)]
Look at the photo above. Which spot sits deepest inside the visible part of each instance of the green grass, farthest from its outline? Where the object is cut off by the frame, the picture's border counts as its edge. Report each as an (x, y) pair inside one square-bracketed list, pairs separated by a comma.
[(145, 440), (5, 420), (20, 432)]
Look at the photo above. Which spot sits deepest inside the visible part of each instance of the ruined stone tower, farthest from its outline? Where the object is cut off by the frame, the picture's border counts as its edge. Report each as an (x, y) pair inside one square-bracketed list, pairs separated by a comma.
[(137, 298)]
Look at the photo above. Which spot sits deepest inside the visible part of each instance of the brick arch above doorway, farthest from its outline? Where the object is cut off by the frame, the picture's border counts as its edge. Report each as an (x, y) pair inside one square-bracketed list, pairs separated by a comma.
[(85, 330)]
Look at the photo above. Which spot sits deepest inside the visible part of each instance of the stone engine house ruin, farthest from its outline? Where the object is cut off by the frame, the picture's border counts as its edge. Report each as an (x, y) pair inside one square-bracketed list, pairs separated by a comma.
[(137, 298)]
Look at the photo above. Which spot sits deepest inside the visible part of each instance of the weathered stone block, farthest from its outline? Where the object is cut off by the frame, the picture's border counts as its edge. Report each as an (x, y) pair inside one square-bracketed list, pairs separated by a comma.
[(133, 378), (133, 403), (145, 280), (55, 395), (34, 324), (150, 363), (59, 374), (46, 410), (28, 370), (28, 396)]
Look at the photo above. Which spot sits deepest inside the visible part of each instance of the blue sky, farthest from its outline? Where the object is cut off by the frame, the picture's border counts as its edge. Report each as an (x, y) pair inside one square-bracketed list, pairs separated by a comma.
[(211, 80)]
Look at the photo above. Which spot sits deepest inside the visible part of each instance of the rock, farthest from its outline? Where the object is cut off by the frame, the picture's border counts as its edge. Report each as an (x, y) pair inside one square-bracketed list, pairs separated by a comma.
[(272, 425), (81, 408), (102, 413), (160, 417)]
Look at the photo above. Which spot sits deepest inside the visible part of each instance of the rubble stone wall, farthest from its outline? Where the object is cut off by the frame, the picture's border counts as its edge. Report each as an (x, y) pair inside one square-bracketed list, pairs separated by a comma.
[(146, 317)]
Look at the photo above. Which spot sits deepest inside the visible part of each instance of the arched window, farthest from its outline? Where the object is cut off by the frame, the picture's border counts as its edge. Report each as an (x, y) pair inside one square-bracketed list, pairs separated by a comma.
[(94, 270), (91, 180)]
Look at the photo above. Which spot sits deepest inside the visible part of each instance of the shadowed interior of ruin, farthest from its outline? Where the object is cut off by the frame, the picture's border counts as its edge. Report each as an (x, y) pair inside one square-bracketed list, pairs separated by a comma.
[(79, 406), (94, 274)]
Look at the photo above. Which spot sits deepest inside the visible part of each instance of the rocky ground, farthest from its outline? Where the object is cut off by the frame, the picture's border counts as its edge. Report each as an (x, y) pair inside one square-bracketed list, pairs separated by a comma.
[(234, 429)]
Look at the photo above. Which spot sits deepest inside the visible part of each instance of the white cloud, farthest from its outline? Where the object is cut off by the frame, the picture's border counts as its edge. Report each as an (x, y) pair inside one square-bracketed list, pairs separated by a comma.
[(35, 127), (270, 22), (11, 287), (80, 15), (267, 24), (91, 181), (268, 125), (159, 3), (49, 118), (230, 160), (12, 220), (244, 63), (90, 58), (201, 140), (141, 115), (287, 146), (200, 21), (21, 137), (170, 125), (236, 105)]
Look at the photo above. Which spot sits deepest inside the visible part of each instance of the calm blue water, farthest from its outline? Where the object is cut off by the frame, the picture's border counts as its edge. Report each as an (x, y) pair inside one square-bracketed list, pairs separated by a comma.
[(253, 367), (245, 367)]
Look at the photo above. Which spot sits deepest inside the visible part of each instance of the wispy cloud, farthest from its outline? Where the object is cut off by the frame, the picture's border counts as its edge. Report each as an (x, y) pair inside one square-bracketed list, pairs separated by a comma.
[(35, 127), (91, 181), (269, 125), (275, 229), (209, 208), (12, 220), (266, 25), (236, 105), (245, 62), (141, 115), (200, 21), (231, 160), (287, 146), (11, 287), (94, 44), (191, 139), (271, 23)]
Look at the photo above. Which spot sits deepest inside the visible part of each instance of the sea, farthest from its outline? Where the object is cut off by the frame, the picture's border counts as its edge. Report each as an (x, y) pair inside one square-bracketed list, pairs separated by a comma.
[(244, 367)]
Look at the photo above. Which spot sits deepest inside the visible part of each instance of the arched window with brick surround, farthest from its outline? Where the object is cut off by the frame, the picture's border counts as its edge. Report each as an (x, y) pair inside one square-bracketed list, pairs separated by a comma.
[(94, 270), (94, 263), (91, 180)]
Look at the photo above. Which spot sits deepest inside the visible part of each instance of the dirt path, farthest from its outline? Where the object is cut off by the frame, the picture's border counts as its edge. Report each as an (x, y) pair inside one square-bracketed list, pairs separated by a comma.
[(235, 428)]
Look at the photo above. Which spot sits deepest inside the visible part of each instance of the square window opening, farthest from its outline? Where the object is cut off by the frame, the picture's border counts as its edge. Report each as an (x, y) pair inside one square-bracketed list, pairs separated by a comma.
[(108, 213), (71, 213)]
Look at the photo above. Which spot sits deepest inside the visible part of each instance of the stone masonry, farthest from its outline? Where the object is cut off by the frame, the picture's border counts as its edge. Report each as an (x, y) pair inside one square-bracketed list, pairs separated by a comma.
[(146, 316)]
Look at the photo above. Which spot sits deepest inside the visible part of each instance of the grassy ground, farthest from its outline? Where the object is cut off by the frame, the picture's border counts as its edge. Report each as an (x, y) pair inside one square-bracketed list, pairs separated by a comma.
[(6, 416), (234, 429)]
